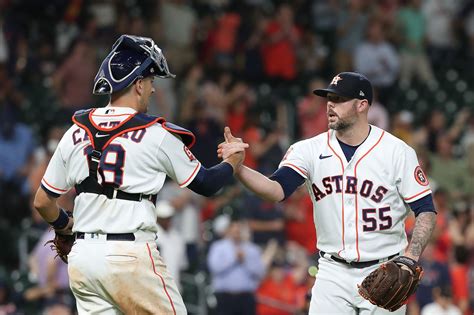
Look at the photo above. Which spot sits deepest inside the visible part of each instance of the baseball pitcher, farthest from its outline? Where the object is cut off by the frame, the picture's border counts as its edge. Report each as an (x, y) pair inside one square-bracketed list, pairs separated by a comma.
[(362, 181)]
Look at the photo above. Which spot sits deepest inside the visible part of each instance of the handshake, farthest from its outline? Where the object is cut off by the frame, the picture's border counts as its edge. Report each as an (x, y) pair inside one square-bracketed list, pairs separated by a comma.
[(232, 150)]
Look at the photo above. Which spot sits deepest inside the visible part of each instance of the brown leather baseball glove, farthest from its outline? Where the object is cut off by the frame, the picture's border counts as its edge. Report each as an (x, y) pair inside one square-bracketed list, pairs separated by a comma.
[(390, 285), (63, 240)]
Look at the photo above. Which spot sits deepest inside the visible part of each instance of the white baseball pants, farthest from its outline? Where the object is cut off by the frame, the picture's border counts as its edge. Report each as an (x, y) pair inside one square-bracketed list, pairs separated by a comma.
[(122, 277)]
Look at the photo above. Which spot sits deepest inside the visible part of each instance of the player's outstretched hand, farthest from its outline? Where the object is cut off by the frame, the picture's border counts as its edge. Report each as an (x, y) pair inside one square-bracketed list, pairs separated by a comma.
[(232, 145), (232, 150)]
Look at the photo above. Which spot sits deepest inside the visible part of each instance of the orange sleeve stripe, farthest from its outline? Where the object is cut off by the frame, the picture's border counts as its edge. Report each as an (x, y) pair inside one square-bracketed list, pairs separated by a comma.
[(191, 176), (406, 199), (51, 186)]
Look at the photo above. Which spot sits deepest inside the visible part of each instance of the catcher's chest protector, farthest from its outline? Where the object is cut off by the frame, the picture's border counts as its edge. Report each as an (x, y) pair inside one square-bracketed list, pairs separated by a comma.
[(101, 137)]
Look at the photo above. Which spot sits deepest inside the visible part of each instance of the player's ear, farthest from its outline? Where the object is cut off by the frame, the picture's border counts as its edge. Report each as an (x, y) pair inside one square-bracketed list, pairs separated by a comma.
[(139, 86), (363, 105)]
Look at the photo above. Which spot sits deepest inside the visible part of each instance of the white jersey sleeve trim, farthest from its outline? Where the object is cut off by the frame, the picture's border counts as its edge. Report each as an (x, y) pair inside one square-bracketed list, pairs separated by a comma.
[(419, 195), (296, 169), (52, 188), (191, 177)]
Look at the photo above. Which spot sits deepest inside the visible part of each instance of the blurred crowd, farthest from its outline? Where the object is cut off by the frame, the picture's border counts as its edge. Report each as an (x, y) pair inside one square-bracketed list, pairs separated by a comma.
[(250, 65)]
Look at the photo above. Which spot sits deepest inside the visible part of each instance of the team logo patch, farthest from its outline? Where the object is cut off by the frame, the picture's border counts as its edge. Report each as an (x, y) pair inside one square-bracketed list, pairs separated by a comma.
[(189, 153), (421, 177)]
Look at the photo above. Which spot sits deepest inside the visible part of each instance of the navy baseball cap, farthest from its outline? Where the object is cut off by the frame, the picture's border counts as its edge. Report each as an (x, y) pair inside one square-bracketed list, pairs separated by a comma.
[(349, 84)]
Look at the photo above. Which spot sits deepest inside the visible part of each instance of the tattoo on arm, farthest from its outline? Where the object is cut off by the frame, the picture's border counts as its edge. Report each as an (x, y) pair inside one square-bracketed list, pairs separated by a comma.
[(424, 226)]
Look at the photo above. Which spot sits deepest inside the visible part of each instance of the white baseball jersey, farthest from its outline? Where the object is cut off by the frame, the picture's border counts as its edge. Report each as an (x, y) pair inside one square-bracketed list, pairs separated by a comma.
[(360, 206), (138, 161)]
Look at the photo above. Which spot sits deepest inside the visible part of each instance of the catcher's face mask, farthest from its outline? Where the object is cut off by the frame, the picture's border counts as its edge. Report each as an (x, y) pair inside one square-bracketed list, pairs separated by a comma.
[(131, 58)]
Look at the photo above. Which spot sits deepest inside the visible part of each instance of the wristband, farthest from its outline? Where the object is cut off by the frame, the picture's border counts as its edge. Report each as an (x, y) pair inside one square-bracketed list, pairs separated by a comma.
[(62, 220)]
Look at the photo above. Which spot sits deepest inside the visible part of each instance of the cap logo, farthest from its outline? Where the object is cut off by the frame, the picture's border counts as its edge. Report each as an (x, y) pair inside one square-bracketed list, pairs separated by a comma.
[(336, 79), (361, 93)]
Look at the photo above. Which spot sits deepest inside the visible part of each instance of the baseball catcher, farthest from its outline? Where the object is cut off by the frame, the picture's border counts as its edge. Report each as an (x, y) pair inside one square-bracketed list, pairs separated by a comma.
[(390, 285)]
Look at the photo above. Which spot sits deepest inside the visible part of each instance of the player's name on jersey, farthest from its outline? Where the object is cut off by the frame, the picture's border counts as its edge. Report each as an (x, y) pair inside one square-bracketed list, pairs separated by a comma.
[(79, 135), (334, 184)]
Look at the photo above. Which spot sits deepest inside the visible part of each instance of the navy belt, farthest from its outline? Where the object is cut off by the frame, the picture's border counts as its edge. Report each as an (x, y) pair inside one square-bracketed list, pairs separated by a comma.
[(111, 236), (359, 264)]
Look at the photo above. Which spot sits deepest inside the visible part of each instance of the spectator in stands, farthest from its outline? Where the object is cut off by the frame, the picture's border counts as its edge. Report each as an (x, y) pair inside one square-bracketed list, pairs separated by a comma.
[(254, 134), (208, 129), (386, 11), (73, 79), (436, 274), (466, 16), (441, 40), (442, 304), (178, 27), (225, 39), (402, 126), (279, 49), (277, 292), (378, 60), (312, 117), (311, 53), (58, 309), (450, 173), (299, 225), (378, 114), (441, 236), (3, 44), (236, 269), (324, 20), (253, 34), (186, 219), (436, 125), (50, 274), (241, 101), (16, 153), (43, 155), (265, 219), (460, 278), (467, 144), (413, 58), (7, 307), (352, 22), (170, 243)]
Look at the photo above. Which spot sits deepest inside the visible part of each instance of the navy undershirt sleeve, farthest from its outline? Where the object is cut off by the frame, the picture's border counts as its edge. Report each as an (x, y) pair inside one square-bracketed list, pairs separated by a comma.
[(209, 180), (288, 179), (49, 192), (424, 204)]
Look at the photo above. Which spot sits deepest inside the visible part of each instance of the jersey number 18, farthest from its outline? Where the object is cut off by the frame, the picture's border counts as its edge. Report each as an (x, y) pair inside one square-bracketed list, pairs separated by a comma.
[(111, 164)]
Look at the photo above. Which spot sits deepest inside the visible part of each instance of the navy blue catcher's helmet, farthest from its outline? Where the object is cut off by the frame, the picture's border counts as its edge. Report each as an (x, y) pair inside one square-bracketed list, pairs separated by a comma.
[(131, 58)]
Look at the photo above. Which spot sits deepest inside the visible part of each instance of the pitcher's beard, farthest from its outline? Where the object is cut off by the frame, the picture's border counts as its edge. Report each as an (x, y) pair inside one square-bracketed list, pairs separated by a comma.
[(341, 125)]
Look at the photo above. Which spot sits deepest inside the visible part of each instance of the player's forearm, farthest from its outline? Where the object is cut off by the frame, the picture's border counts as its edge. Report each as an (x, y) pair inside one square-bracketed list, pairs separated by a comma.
[(424, 226), (259, 184), (46, 206)]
